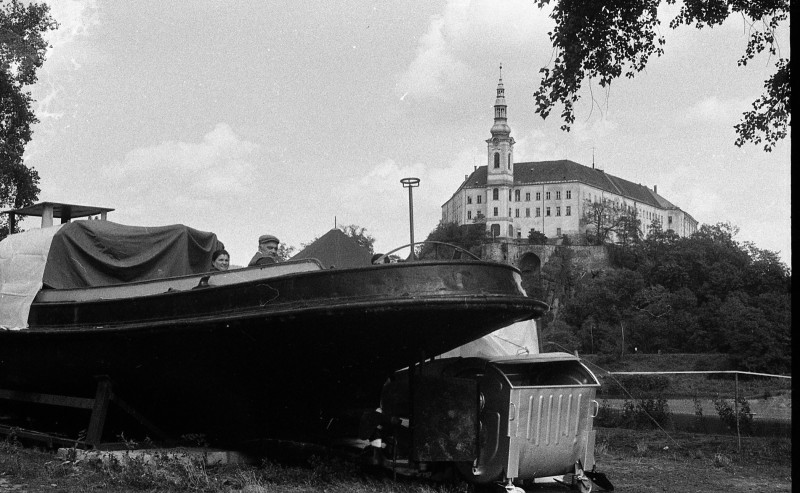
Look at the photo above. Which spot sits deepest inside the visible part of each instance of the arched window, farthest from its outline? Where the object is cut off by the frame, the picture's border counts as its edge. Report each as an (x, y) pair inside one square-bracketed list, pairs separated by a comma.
[(495, 194), (496, 159)]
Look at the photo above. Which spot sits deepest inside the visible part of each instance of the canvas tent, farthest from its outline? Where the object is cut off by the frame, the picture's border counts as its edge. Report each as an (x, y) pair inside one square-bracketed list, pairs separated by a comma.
[(336, 249)]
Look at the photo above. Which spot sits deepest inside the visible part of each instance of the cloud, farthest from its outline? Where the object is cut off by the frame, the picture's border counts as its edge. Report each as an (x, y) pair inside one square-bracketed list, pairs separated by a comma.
[(463, 32), (75, 19), (381, 185), (185, 176), (713, 110)]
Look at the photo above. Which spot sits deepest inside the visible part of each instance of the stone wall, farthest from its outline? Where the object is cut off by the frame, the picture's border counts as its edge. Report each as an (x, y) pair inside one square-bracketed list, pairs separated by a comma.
[(586, 258)]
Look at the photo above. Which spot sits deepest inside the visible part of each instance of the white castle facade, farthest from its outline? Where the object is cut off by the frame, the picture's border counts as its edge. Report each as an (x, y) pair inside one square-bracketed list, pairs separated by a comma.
[(512, 198)]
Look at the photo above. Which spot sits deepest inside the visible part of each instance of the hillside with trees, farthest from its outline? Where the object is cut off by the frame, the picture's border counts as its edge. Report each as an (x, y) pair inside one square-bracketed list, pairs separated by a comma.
[(706, 293)]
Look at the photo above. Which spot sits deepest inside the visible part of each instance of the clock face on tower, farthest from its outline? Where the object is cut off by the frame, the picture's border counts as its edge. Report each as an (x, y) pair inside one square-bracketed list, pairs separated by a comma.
[(495, 141)]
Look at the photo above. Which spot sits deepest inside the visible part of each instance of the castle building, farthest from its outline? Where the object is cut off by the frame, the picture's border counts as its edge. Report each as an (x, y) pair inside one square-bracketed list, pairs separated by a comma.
[(552, 197)]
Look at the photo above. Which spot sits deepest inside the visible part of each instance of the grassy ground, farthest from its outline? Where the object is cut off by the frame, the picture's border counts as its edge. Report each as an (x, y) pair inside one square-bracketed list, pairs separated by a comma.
[(635, 461)]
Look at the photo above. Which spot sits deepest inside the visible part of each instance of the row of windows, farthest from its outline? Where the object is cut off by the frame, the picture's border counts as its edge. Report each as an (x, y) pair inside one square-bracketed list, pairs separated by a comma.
[(517, 195), (496, 231), (547, 212)]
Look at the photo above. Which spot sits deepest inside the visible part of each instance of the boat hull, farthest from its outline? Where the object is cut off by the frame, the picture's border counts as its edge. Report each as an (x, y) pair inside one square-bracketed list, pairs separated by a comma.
[(264, 359)]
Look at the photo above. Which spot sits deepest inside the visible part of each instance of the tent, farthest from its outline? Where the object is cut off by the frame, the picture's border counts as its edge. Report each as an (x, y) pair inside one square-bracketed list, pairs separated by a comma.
[(336, 249)]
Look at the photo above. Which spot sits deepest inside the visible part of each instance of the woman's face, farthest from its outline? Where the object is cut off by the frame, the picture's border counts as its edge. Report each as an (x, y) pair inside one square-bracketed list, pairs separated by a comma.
[(222, 262)]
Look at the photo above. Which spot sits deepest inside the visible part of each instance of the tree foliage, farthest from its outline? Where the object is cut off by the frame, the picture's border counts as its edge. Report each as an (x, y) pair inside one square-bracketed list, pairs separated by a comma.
[(602, 41), (361, 236), (22, 52), (703, 293), (537, 237), (604, 220), (467, 236)]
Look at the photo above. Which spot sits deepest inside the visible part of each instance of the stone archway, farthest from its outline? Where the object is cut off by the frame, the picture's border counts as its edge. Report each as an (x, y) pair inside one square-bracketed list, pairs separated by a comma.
[(530, 265)]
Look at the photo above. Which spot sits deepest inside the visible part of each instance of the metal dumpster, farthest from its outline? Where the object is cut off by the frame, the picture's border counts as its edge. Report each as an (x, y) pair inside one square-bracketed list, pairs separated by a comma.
[(515, 418), (536, 419)]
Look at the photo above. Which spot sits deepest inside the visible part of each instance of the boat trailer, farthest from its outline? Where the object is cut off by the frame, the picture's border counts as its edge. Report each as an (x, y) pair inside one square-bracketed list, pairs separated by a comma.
[(513, 421)]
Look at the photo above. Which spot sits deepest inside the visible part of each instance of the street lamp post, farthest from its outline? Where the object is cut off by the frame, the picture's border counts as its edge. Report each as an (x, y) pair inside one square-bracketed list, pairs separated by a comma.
[(410, 183)]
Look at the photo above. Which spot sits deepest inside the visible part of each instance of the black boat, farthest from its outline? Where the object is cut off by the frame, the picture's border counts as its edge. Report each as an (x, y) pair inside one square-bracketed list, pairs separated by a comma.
[(241, 355)]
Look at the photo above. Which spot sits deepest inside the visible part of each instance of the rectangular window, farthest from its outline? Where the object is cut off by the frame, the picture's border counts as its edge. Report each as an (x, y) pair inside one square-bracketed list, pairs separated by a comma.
[(527, 196), (569, 194), (495, 211), (558, 194), (568, 212), (516, 212), (509, 212), (469, 199), (516, 195), (469, 214), (558, 211), (527, 212), (558, 231), (547, 195), (538, 196), (480, 197), (538, 212), (509, 196), (547, 211)]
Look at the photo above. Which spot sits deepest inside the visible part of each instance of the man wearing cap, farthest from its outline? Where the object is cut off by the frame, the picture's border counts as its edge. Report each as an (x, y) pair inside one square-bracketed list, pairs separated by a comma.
[(267, 251)]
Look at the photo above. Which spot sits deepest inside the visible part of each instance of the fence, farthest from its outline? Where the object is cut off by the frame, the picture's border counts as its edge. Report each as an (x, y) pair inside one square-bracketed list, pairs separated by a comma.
[(749, 403)]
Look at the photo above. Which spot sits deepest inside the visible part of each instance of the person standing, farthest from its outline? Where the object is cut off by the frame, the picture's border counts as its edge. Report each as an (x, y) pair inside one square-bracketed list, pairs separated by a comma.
[(267, 251)]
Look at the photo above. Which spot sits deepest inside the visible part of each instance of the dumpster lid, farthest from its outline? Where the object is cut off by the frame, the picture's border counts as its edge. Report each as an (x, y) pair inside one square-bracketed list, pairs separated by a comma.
[(534, 358)]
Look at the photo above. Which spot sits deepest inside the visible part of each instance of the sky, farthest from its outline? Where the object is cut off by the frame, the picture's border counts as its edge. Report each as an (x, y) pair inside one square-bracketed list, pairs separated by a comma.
[(290, 118)]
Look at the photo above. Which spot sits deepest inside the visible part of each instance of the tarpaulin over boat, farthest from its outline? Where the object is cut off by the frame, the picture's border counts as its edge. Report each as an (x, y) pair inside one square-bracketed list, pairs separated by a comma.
[(336, 249), (99, 253), (515, 340), (23, 257)]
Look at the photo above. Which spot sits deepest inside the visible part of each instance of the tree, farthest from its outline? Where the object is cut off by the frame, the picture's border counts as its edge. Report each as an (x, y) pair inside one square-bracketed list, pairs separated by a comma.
[(605, 218), (467, 236), (360, 235), (537, 237), (23, 52), (285, 252), (604, 40)]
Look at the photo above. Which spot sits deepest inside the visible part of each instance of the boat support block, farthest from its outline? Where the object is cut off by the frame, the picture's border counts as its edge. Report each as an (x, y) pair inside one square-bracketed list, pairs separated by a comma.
[(104, 395)]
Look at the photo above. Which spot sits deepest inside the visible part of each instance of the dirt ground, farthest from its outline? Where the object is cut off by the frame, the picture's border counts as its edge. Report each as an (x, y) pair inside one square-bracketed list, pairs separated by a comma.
[(634, 461), (652, 461)]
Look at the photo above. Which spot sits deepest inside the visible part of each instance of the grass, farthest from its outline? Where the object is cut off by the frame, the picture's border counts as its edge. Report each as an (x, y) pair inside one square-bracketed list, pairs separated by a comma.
[(37, 469), (617, 450)]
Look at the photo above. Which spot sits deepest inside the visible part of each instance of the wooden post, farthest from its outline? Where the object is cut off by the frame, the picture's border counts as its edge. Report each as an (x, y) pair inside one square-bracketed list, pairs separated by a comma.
[(99, 411), (47, 215), (736, 409)]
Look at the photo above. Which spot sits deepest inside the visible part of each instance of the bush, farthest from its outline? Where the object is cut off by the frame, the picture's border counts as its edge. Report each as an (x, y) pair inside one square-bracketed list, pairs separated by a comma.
[(727, 415)]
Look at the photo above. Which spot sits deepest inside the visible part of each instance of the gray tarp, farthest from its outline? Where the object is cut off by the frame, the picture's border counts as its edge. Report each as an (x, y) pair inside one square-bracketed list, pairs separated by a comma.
[(336, 249), (99, 253)]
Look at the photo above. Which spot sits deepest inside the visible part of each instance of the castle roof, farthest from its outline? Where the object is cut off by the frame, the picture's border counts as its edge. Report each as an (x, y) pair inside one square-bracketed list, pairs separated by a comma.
[(565, 171)]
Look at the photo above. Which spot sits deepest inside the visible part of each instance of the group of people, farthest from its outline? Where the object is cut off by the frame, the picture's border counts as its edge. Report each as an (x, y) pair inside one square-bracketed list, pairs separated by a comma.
[(267, 254)]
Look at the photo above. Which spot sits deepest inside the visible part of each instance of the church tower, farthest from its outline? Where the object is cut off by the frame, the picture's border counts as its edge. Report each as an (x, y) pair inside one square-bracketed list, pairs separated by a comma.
[(500, 170)]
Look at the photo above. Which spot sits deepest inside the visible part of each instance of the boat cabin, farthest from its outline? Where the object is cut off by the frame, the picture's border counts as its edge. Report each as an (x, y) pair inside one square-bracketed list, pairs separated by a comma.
[(50, 210)]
